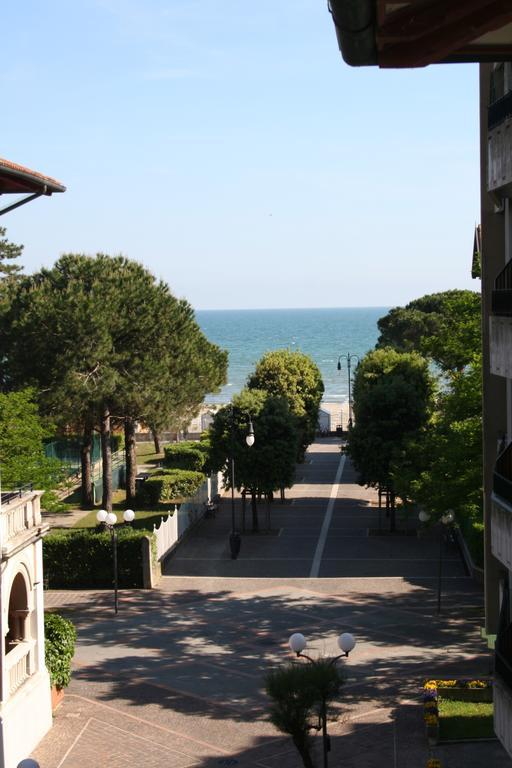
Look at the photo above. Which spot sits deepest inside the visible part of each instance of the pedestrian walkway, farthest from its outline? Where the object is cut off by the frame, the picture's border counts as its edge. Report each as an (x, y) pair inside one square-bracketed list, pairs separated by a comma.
[(329, 527), (176, 678)]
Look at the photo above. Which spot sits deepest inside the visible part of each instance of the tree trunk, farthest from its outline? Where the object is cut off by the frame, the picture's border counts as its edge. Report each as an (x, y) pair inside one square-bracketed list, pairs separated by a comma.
[(255, 526), (303, 750), (156, 441), (106, 459), (392, 521), (86, 466), (283, 499), (131, 460)]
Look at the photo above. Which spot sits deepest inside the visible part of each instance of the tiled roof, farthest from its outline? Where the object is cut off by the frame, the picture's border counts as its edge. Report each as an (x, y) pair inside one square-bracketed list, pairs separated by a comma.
[(16, 179)]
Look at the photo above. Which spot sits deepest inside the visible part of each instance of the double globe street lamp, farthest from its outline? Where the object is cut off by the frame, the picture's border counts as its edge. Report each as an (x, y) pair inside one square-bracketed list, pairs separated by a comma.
[(235, 540), (109, 520), (346, 643)]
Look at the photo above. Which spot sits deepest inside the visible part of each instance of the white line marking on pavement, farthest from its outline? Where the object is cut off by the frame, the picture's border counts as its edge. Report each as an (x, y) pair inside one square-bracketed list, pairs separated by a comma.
[(315, 567), (77, 739)]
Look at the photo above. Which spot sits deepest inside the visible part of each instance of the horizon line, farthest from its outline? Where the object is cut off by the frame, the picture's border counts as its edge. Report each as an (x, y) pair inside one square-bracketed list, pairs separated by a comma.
[(273, 309)]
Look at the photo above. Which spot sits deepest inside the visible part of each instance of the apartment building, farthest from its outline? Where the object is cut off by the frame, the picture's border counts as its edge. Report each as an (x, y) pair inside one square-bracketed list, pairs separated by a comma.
[(418, 34)]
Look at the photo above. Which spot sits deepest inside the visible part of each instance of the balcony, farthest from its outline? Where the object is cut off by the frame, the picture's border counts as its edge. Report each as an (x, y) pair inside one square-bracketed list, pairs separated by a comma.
[(499, 170), (500, 331), (503, 676), (501, 512), (20, 519)]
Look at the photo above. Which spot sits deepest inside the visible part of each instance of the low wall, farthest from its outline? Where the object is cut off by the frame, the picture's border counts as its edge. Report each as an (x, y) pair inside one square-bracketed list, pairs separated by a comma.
[(180, 520)]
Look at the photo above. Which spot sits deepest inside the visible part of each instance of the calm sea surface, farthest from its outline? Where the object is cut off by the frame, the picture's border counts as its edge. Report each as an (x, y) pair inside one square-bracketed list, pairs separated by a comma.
[(324, 334)]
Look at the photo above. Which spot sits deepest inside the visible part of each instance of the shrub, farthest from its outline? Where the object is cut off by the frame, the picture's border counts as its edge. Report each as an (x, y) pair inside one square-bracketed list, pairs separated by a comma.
[(188, 455), (473, 533), (83, 558), (59, 648), (171, 485)]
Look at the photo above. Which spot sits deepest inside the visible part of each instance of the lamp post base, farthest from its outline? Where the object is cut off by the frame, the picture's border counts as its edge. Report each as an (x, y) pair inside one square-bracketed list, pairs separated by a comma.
[(235, 542)]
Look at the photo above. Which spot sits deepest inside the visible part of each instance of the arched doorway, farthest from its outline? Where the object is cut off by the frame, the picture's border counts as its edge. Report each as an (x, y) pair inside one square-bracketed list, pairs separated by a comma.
[(18, 612)]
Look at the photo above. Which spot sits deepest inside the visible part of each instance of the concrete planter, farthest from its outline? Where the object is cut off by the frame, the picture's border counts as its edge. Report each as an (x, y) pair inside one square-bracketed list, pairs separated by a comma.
[(432, 734), (57, 696)]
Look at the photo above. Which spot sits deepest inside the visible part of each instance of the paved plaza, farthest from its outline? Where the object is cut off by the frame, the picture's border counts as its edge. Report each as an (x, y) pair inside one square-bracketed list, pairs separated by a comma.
[(176, 679)]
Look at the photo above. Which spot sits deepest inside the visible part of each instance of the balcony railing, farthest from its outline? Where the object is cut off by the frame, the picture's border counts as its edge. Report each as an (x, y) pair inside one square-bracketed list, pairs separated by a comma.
[(22, 513), (17, 664), (503, 646), (16, 493), (502, 481), (502, 293), (499, 111)]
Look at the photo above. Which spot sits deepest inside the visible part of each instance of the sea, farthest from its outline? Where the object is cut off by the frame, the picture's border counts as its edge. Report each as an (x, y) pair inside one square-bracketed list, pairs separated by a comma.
[(324, 334)]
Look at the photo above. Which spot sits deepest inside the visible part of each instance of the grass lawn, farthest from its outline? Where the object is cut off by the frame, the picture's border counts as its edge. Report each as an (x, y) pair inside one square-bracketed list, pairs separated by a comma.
[(465, 720), (144, 518), (146, 454)]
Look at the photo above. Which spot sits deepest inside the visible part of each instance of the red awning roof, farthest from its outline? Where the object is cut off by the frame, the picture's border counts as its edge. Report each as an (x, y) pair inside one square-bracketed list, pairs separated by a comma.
[(18, 180)]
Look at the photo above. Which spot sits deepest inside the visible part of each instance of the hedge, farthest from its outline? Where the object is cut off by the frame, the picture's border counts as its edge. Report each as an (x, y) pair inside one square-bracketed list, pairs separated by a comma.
[(170, 485), (83, 558), (473, 533), (187, 455), (59, 648)]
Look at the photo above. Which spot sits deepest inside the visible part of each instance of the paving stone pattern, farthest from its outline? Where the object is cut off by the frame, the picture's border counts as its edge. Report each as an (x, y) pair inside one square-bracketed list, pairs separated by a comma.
[(176, 679)]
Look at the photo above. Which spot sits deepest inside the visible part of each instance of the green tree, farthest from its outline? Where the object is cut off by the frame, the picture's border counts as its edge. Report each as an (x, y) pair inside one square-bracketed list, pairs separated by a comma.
[(294, 376), (22, 433), (442, 326), (446, 459), (267, 465), (102, 339), (9, 269), (393, 394)]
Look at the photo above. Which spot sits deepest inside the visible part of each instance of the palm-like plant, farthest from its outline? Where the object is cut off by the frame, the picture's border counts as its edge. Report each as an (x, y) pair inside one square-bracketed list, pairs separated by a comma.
[(299, 694)]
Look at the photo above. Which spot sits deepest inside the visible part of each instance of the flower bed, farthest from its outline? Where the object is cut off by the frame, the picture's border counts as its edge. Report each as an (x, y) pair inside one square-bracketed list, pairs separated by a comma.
[(476, 692)]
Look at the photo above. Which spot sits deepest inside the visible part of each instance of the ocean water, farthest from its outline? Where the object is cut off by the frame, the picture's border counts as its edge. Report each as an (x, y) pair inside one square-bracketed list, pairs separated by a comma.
[(324, 334)]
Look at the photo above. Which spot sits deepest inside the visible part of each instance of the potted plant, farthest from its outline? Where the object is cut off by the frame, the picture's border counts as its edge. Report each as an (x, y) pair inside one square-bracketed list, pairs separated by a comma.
[(60, 637)]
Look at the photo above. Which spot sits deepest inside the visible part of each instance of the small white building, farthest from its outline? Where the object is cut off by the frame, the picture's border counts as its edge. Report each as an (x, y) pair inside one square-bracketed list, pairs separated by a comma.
[(25, 698)]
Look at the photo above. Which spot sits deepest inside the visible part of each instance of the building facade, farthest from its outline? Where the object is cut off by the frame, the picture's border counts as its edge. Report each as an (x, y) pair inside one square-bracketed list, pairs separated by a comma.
[(25, 703)]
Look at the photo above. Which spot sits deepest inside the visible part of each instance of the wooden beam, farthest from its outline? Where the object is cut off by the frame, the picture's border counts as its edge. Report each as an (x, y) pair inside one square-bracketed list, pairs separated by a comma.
[(439, 43)]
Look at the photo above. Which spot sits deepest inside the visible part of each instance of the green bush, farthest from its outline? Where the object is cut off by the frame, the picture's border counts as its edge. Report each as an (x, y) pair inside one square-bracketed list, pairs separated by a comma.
[(170, 485), (188, 455), (83, 559), (59, 648)]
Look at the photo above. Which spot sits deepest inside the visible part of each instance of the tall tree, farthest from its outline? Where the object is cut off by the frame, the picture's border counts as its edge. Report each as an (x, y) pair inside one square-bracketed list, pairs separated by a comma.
[(100, 337), (296, 377), (267, 465), (392, 403), (9, 269)]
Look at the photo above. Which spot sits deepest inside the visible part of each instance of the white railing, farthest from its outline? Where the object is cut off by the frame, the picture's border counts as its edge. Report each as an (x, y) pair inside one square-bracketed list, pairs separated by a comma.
[(17, 666), (170, 530), (19, 515)]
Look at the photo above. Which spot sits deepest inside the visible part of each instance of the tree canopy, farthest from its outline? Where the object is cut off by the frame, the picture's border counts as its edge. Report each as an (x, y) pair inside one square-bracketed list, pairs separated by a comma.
[(22, 433), (442, 326), (100, 337), (392, 402), (296, 377), (269, 464)]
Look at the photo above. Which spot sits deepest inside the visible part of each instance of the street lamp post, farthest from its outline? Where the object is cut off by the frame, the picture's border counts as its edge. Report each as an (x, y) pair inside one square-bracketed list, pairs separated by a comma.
[(446, 521), (234, 537), (109, 520), (348, 357), (346, 643)]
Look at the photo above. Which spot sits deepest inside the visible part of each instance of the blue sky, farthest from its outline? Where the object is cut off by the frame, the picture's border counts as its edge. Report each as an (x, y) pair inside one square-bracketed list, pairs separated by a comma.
[(228, 147)]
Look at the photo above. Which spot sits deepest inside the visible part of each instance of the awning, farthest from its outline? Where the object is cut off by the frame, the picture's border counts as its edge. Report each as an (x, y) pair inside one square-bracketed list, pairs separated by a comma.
[(422, 32), (17, 180)]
